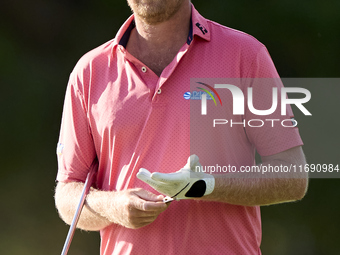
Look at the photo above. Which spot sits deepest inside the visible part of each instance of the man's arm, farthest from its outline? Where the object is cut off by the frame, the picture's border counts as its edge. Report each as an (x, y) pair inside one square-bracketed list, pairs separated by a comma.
[(132, 208), (251, 189)]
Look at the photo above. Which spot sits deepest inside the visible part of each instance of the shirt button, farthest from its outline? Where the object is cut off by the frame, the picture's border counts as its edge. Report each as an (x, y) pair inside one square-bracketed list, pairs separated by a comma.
[(159, 91), (144, 69)]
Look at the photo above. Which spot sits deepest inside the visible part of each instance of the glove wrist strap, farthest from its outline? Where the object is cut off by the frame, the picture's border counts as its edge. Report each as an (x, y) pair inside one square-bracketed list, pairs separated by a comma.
[(210, 181)]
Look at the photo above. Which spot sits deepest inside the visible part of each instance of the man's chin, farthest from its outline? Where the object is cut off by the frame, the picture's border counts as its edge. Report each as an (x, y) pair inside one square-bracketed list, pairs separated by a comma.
[(155, 13), (154, 19)]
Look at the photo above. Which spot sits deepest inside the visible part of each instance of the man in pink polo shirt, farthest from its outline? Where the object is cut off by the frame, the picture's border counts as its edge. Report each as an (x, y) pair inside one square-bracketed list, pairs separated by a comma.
[(125, 111)]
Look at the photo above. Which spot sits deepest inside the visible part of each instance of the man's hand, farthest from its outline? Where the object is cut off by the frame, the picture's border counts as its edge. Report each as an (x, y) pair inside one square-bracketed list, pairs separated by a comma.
[(183, 184), (136, 208), (133, 208)]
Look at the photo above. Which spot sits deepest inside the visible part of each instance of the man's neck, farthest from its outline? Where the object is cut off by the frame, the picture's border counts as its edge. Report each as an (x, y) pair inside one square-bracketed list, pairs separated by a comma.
[(157, 44)]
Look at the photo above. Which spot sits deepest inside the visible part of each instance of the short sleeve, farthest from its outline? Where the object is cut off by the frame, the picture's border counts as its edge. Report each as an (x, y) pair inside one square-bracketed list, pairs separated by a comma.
[(75, 150), (271, 132)]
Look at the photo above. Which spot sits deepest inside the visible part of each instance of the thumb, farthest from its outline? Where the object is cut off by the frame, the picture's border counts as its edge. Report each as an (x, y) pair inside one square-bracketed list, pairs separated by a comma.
[(193, 160), (148, 196)]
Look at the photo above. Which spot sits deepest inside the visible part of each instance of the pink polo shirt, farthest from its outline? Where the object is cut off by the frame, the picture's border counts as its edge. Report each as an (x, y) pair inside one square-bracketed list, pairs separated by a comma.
[(118, 111)]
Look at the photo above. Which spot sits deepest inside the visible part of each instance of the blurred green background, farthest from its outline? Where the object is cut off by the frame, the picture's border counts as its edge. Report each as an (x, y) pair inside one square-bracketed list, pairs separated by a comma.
[(41, 41)]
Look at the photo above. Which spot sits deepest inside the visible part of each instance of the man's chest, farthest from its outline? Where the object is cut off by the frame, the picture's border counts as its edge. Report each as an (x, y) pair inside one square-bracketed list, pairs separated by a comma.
[(128, 108)]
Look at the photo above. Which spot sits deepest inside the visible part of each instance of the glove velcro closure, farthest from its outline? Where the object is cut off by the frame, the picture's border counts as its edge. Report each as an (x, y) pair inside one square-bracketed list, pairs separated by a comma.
[(197, 189), (201, 188)]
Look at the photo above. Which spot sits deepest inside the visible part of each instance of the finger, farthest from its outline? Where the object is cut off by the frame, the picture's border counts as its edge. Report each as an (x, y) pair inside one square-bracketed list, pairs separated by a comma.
[(144, 175), (147, 201), (148, 196), (145, 171), (167, 177), (136, 217), (176, 177), (148, 206), (139, 214), (138, 222), (193, 160), (136, 213), (157, 207), (147, 219), (141, 222)]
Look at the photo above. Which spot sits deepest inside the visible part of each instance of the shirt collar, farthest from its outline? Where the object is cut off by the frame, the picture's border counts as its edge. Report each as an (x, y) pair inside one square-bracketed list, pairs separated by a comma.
[(199, 27)]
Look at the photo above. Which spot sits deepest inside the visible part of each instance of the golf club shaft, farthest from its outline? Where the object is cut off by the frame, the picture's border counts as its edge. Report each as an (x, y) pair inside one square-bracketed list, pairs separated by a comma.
[(72, 229)]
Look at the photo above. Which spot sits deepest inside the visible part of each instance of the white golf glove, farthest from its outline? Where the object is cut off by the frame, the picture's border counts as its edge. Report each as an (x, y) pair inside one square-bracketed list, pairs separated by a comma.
[(183, 184)]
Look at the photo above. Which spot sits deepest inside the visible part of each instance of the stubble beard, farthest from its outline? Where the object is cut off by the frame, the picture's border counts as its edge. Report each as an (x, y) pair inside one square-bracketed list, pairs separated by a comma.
[(155, 11)]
